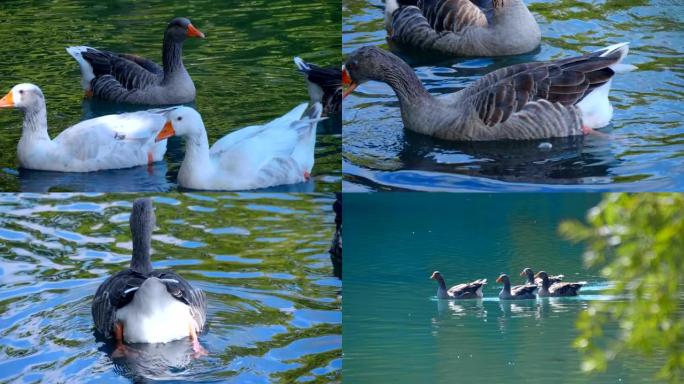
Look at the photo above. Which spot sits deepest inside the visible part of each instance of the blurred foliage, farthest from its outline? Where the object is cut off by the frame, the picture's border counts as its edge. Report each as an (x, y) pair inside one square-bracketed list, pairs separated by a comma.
[(637, 241)]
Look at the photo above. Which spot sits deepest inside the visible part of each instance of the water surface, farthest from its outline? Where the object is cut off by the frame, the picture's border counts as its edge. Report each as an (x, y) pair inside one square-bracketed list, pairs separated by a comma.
[(643, 149), (274, 307), (396, 331), (243, 72)]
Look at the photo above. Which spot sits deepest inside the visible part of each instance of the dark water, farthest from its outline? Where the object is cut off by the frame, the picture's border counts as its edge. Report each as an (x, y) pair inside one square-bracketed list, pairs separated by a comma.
[(643, 149), (243, 72), (274, 309), (396, 331)]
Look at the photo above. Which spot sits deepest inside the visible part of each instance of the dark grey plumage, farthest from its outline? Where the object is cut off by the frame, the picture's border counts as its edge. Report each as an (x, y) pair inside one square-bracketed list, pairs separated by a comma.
[(549, 289), (328, 83), (118, 290)]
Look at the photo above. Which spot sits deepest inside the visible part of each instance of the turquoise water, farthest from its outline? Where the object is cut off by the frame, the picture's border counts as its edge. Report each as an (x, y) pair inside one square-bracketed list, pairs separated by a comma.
[(274, 307), (396, 331), (643, 149), (243, 72)]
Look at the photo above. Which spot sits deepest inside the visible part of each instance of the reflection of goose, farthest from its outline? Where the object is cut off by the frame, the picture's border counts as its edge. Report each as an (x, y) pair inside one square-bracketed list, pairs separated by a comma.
[(106, 142), (531, 279), (462, 291), (336, 246), (463, 27), (521, 292), (143, 305), (566, 97), (154, 362), (132, 79), (558, 289)]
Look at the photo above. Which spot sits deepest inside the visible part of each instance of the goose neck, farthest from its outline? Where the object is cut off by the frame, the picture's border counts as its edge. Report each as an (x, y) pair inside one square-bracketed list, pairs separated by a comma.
[(197, 150), (172, 56), (35, 124), (405, 83)]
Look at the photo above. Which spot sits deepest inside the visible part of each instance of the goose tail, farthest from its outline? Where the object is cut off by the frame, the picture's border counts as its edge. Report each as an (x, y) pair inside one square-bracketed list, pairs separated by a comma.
[(87, 73)]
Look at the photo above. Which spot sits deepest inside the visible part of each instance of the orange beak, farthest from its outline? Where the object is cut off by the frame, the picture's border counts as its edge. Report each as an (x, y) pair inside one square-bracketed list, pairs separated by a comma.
[(498, 279), (346, 80), (166, 132), (522, 273), (7, 102), (194, 32)]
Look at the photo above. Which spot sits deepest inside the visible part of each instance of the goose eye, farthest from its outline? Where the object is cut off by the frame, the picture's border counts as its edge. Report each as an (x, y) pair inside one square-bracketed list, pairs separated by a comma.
[(179, 118), (21, 91)]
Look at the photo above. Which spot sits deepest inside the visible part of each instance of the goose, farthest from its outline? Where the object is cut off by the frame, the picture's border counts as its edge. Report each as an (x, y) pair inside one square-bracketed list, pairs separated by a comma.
[(107, 142), (559, 98), (146, 305), (462, 27), (259, 156), (521, 292), (125, 78), (459, 292), (549, 289), (529, 274), (324, 84)]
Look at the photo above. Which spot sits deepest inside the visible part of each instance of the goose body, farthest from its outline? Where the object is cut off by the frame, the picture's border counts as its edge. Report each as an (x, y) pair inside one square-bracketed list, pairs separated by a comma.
[(144, 305), (464, 291), (560, 98), (125, 78), (324, 85), (107, 142), (521, 292), (260, 156), (549, 289), (463, 27)]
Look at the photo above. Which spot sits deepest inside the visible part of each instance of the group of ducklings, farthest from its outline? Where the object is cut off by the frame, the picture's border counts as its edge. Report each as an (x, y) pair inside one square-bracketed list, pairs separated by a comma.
[(539, 284)]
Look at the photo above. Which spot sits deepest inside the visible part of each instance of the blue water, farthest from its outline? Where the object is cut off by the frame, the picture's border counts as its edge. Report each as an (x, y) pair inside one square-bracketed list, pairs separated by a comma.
[(643, 148), (396, 330), (274, 307)]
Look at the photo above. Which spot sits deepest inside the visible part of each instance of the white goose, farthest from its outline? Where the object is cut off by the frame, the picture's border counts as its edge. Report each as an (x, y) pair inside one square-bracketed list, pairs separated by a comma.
[(259, 156), (106, 142)]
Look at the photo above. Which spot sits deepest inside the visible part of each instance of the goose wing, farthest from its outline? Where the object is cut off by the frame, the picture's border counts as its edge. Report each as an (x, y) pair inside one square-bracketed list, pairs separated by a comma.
[(566, 289), (112, 294), (183, 291), (467, 288), (521, 290)]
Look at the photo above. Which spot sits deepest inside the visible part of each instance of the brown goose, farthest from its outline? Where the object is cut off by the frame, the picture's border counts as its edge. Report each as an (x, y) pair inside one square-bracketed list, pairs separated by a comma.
[(131, 79), (458, 292), (558, 289), (538, 100), (463, 27), (520, 292), (529, 274), (325, 86)]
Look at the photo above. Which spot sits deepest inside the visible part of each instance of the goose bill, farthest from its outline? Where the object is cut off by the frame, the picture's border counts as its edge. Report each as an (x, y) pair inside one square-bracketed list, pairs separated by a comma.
[(346, 80), (194, 32), (7, 101), (166, 132)]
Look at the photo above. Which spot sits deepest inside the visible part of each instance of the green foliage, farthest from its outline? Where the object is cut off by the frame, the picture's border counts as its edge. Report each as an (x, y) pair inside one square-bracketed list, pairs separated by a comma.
[(637, 241)]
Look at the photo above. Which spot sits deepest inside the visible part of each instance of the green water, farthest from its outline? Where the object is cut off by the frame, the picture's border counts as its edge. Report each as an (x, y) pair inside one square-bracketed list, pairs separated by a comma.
[(396, 331), (243, 71), (273, 305)]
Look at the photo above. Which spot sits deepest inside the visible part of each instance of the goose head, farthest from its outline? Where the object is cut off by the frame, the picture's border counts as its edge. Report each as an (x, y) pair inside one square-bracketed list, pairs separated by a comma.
[(367, 63), (23, 96), (181, 28), (542, 275), (527, 272), (182, 121), (504, 279), (436, 276)]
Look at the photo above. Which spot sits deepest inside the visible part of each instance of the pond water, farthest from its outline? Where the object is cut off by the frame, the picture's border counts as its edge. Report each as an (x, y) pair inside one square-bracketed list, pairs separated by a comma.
[(243, 72), (643, 147), (396, 331), (274, 307)]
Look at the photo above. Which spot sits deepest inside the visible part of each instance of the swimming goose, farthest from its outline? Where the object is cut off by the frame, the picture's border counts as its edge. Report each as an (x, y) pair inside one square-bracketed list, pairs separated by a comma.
[(325, 86), (459, 292), (106, 142), (463, 27), (549, 289), (557, 98), (145, 305), (125, 78), (521, 292), (259, 156), (529, 274)]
